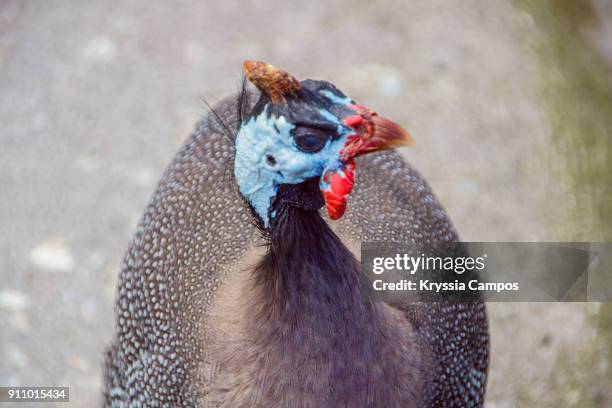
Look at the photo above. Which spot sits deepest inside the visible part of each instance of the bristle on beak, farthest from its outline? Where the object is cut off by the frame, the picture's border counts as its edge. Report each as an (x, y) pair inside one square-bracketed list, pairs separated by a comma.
[(373, 133)]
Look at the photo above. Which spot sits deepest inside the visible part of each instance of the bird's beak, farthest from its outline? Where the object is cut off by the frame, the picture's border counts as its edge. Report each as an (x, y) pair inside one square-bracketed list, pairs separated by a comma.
[(371, 133)]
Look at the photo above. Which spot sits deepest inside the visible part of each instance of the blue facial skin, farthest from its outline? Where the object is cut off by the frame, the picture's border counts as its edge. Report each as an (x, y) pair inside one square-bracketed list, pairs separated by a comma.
[(341, 100), (267, 156)]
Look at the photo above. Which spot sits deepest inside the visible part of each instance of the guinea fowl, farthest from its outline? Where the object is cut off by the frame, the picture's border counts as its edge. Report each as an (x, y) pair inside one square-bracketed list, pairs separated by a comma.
[(208, 316)]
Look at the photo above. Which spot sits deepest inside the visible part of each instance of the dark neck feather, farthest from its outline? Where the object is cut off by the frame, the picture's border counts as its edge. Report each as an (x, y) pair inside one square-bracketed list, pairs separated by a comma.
[(307, 267), (314, 330)]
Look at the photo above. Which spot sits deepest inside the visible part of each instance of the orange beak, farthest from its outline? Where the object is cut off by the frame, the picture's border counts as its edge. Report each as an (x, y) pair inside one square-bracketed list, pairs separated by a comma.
[(372, 133)]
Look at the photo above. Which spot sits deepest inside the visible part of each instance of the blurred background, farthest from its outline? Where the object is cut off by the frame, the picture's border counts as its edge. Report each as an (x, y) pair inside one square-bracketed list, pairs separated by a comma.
[(510, 102)]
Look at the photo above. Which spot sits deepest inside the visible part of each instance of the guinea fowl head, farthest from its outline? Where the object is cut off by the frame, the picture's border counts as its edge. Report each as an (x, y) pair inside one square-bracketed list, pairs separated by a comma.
[(298, 144)]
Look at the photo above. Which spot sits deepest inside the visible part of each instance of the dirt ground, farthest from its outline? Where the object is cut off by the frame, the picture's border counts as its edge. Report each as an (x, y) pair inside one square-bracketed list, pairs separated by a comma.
[(96, 97)]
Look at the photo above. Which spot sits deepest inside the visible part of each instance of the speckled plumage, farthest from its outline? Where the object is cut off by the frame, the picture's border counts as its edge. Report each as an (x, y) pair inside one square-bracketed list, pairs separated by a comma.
[(191, 240)]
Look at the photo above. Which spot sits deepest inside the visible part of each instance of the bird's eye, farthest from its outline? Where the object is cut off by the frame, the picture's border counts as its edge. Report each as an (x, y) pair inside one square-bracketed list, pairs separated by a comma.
[(309, 139)]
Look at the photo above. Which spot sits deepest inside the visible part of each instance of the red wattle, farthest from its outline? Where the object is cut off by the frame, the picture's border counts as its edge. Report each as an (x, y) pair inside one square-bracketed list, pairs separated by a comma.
[(337, 186)]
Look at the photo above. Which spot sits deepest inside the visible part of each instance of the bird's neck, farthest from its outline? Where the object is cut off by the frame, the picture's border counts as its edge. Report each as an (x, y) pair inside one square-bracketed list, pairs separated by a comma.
[(309, 283), (311, 332), (310, 299)]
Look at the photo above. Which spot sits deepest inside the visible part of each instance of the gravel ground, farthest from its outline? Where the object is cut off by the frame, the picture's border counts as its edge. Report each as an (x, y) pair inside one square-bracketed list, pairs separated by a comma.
[(97, 96)]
